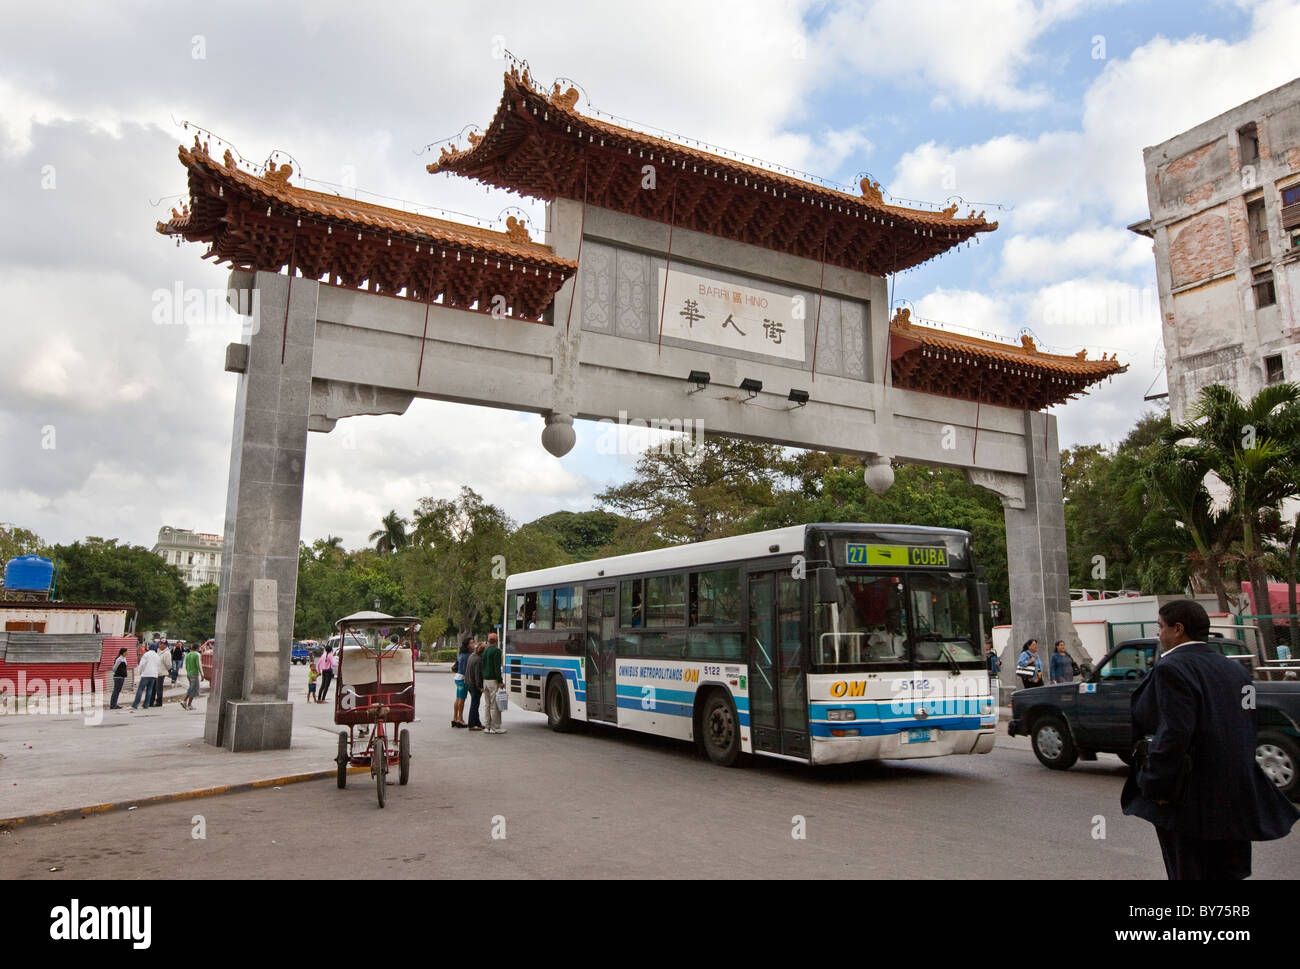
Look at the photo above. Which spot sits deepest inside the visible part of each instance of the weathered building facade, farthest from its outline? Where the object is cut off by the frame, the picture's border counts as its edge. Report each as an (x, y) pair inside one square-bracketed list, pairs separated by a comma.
[(1225, 218)]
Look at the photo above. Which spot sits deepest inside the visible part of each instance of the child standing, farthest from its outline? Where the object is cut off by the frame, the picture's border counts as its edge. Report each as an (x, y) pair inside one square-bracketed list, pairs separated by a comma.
[(312, 674)]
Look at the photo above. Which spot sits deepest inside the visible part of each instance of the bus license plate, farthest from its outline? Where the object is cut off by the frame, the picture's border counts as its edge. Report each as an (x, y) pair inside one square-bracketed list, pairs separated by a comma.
[(919, 736)]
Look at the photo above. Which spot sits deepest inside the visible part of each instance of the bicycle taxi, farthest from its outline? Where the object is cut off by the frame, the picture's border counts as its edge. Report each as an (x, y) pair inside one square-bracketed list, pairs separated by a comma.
[(376, 693)]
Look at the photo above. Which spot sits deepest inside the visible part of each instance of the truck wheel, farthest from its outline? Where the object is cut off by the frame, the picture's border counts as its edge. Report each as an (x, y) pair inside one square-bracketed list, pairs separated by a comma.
[(1052, 744), (1279, 757)]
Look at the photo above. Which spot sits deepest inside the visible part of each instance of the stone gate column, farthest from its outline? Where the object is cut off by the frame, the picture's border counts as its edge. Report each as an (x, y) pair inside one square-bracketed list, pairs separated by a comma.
[(248, 708), (1038, 567), (1036, 553)]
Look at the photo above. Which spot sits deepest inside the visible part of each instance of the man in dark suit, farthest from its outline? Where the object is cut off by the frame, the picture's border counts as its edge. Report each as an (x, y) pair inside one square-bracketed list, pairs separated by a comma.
[(1193, 704)]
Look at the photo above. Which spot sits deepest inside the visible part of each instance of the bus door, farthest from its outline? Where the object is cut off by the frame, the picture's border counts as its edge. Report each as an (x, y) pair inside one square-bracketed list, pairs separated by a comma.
[(778, 684), (602, 700)]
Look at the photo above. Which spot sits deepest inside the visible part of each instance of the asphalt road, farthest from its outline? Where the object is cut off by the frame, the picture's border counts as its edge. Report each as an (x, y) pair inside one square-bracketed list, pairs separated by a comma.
[(600, 803)]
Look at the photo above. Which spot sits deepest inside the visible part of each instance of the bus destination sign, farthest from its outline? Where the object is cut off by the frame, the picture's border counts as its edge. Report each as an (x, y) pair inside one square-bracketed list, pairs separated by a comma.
[(896, 556)]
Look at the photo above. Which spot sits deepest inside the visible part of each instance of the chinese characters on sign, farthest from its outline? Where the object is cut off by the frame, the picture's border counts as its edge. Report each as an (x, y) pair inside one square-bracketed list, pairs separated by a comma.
[(736, 317)]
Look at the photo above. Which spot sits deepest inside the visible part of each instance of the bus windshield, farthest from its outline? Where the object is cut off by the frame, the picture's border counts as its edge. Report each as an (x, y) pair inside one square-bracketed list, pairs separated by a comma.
[(897, 621)]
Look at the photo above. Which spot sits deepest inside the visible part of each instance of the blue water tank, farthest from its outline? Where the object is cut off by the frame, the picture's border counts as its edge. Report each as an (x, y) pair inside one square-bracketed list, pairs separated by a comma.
[(29, 573)]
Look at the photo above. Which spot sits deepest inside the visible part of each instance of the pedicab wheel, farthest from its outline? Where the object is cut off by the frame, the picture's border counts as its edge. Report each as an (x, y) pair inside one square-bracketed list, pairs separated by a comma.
[(379, 767), (403, 756), (342, 760)]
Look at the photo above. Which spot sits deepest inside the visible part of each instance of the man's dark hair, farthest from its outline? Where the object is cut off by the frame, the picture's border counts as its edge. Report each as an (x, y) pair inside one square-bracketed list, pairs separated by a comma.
[(1190, 614)]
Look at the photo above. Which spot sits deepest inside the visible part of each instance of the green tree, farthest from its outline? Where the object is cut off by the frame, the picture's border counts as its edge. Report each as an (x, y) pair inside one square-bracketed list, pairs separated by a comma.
[(195, 619), (1253, 447), (680, 497), (581, 535), (391, 534), (459, 554), (16, 541), (97, 570)]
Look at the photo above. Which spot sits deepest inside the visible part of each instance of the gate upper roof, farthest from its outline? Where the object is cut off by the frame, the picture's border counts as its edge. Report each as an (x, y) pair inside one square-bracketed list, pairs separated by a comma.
[(539, 145)]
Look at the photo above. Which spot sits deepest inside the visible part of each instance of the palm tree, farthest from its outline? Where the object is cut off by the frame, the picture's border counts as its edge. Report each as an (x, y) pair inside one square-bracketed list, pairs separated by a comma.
[(1254, 448), (1175, 477), (391, 534)]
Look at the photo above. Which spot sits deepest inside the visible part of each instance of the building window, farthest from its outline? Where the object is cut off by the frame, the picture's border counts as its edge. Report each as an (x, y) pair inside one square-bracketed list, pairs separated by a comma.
[(1256, 230), (191, 560), (1264, 292), (1248, 140), (1273, 369), (1291, 209)]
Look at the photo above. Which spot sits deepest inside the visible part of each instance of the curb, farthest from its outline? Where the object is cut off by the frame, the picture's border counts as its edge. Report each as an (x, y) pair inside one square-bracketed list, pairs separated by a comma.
[(72, 814)]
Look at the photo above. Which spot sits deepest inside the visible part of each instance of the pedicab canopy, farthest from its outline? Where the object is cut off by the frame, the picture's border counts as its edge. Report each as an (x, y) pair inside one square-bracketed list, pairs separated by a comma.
[(375, 618)]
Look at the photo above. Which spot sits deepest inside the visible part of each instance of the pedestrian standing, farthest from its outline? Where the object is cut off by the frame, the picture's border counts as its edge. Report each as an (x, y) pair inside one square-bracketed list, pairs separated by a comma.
[(164, 665), (325, 666), (458, 677), (492, 683), (1061, 666), (119, 677), (1029, 667), (312, 675), (146, 675), (1194, 775), (178, 658), (195, 673), (474, 682)]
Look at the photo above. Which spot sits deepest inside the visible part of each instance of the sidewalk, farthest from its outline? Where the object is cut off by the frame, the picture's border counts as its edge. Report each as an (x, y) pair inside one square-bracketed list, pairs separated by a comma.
[(60, 762)]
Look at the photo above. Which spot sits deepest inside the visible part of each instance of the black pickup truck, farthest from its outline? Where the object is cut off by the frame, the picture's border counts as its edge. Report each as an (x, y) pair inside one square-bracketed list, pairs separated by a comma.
[(1077, 720)]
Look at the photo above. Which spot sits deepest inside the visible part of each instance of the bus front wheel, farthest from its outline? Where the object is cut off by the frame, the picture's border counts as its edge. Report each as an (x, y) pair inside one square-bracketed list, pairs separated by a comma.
[(557, 705), (720, 729)]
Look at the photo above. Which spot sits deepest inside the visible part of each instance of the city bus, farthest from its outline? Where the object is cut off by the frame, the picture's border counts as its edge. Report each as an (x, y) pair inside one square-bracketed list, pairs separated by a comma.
[(825, 643)]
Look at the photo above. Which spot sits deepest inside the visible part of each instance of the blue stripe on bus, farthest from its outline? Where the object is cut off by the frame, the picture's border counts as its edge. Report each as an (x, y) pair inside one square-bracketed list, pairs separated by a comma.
[(660, 693), (823, 730), (672, 709), (542, 665), (660, 706)]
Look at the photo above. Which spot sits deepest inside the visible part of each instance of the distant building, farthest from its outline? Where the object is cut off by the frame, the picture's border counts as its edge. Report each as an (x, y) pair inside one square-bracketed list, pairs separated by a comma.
[(55, 618), (1225, 218), (196, 554)]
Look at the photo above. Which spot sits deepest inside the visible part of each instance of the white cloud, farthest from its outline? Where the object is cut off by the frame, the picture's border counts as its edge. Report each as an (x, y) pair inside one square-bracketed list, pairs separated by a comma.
[(1165, 87), (1030, 259), (966, 309), (973, 53)]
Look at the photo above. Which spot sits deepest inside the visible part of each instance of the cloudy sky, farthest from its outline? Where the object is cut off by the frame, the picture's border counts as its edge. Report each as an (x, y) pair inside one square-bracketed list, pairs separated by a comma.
[(113, 425)]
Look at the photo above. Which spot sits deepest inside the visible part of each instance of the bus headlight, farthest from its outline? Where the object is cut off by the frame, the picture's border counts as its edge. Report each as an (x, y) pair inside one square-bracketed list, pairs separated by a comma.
[(846, 714)]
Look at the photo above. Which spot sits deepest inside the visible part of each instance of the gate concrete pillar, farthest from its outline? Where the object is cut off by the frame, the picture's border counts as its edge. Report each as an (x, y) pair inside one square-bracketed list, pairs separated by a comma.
[(268, 455), (1037, 561)]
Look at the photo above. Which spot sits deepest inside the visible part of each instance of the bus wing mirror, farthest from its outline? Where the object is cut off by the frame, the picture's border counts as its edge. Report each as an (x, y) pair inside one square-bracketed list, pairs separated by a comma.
[(982, 590), (828, 586)]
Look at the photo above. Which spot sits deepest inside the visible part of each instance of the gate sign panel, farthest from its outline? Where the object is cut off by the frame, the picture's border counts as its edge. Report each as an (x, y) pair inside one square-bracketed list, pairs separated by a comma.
[(734, 316)]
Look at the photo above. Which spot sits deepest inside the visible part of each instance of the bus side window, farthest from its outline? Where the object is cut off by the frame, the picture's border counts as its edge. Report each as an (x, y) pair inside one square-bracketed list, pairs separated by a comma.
[(530, 611), (545, 609), (631, 609)]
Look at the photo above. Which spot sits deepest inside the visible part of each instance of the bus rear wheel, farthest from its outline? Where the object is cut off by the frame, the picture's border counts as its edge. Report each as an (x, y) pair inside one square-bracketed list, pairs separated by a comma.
[(557, 705), (720, 729)]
